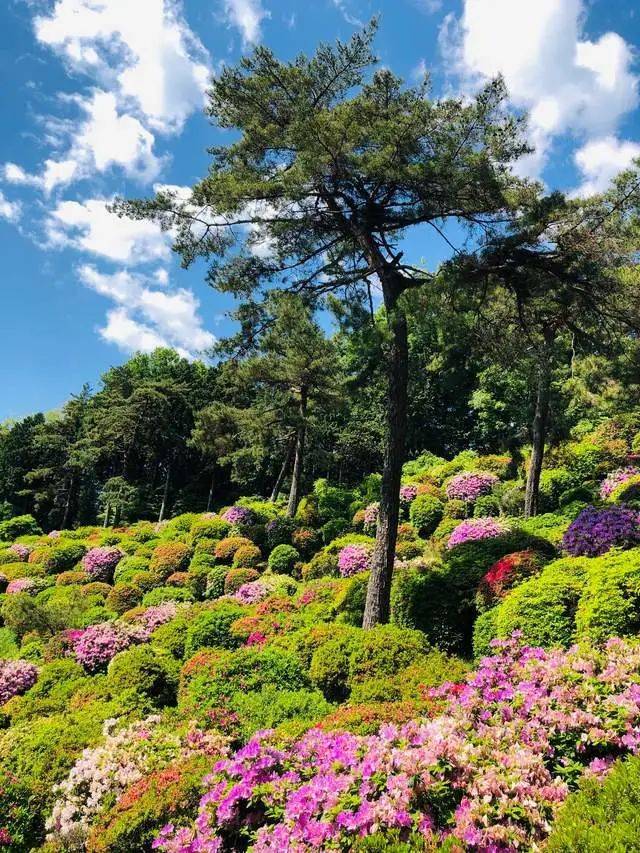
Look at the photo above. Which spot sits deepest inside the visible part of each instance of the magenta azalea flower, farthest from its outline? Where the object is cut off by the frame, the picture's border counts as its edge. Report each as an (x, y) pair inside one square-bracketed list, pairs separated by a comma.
[(238, 515), (615, 479), (21, 585), (16, 677), (354, 559), (470, 485), (474, 529), (100, 563), (99, 644)]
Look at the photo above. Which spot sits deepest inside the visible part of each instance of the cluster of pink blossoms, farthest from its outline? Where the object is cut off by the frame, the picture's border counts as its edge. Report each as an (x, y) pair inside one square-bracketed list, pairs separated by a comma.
[(16, 677), (100, 563), (615, 479), (470, 485), (20, 552), (370, 521), (490, 771), (238, 515), (21, 585), (474, 529), (354, 559), (253, 592), (408, 494), (157, 615), (99, 644)]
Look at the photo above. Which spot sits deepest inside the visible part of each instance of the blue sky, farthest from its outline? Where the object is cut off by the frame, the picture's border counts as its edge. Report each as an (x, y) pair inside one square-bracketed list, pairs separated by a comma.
[(104, 97)]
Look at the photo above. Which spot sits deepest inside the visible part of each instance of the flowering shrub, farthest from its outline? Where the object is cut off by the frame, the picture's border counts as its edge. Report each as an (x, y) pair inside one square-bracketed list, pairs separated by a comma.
[(354, 559), (16, 677), (158, 615), (252, 592), (595, 531), (470, 485), (100, 563), (98, 644), (505, 574), (22, 585), (101, 775), (226, 548), (615, 479), (21, 552), (476, 528), (407, 495), (238, 515), (370, 519), (491, 770)]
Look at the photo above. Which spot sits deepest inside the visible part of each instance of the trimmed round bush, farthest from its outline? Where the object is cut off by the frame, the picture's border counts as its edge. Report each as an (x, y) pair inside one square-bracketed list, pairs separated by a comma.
[(122, 597), (211, 628), (100, 563), (160, 594), (215, 582), (306, 541), (279, 531), (128, 567), (235, 578), (16, 677), (596, 531), (64, 556), (426, 514), (209, 527), (19, 525), (470, 485), (153, 675), (475, 529), (283, 559), (247, 557), (168, 558), (226, 548), (354, 559), (238, 515)]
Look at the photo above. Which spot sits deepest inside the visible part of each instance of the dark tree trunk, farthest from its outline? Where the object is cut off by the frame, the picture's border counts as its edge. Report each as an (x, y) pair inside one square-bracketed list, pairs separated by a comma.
[(67, 505), (378, 603), (298, 461), (277, 486), (210, 495), (539, 431), (165, 494)]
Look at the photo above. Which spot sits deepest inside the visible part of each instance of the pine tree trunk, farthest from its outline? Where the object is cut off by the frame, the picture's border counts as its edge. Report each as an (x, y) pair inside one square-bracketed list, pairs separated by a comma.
[(277, 486), (107, 513), (298, 461), (67, 506), (210, 495), (538, 433), (165, 494), (378, 603)]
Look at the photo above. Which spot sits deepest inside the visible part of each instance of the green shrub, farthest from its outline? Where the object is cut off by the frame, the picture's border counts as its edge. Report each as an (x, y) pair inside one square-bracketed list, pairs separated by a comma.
[(215, 582), (211, 628), (235, 578), (333, 528), (172, 635), (21, 614), (72, 578), (603, 816), (350, 602), (426, 513), (553, 483), (20, 816), (627, 492), (144, 670), (609, 605), (63, 556), (8, 644), (543, 608), (484, 631), (329, 668), (283, 559), (128, 567), (226, 548), (455, 508), (205, 548), (19, 525), (168, 558), (279, 531), (270, 707), (211, 678), (440, 600), (123, 597), (333, 502), (166, 593), (209, 528), (486, 505), (247, 557)]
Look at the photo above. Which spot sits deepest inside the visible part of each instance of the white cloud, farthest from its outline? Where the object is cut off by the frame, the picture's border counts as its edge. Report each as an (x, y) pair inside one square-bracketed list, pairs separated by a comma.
[(246, 16), (567, 82), (144, 317), (350, 18), (144, 48), (103, 140), (600, 160), (88, 226), (9, 210)]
